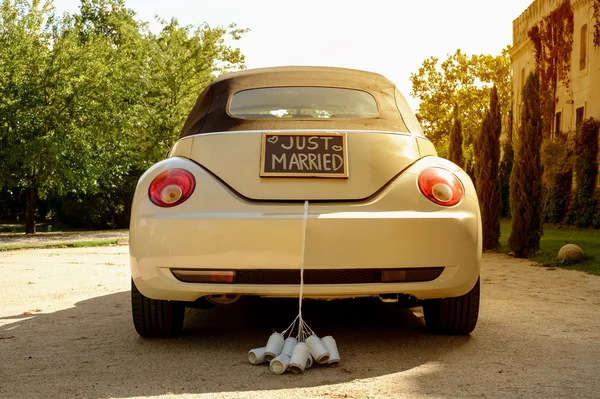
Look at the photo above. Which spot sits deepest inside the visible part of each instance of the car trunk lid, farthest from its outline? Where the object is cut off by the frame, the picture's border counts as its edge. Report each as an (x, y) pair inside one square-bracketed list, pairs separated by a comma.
[(305, 165)]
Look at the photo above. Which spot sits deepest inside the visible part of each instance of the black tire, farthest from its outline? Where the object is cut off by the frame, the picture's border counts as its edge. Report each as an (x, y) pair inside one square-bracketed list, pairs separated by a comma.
[(456, 316), (156, 318)]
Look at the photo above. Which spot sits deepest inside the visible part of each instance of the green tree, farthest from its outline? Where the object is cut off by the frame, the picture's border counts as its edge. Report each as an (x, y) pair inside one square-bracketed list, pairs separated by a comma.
[(165, 72), (119, 42), (558, 176), (596, 16), (526, 177), (552, 40), (184, 60), (45, 81), (464, 81), (455, 149), (90, 100), (581, 212), (506, 165), (487, 160)]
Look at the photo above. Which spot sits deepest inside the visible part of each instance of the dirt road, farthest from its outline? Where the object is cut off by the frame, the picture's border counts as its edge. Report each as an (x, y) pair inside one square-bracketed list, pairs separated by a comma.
[(66, 332)]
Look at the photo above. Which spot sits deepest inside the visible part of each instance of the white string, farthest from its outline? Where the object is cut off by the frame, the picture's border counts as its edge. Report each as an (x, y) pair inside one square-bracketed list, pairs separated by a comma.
[(290, 328), (302, 325)]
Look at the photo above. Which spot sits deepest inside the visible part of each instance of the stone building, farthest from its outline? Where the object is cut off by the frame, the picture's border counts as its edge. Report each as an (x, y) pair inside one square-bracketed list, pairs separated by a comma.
[(582, 101)]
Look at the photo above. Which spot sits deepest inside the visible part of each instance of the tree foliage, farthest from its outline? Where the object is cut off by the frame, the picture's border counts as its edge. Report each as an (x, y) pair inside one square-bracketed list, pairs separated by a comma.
[(506, 165), (557, 160), (581, 212), (464, 81), (552, 39), (526, 177), (46, 84), (487, 160), (90, 100), (184, 60), (596, 16), (455, 150)]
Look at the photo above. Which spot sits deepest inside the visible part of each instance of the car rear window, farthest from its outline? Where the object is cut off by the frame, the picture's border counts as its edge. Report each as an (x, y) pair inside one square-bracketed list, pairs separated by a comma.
[(303, 103)]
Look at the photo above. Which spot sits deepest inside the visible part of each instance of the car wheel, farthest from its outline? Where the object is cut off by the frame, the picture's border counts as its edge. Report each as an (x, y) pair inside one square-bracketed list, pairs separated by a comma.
[(156, 318), (453, 315)]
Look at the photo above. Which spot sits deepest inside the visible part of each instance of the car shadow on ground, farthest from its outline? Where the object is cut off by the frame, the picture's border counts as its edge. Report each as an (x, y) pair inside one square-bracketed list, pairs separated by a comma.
[(91, 350)]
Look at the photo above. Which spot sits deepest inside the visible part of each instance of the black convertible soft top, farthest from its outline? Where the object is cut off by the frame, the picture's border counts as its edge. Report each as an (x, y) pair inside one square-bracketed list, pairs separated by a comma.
[(210, 111)]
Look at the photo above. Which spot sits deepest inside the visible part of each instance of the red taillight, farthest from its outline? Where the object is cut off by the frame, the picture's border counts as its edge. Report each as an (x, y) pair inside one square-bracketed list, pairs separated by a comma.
[(171, 187), (441, 186)]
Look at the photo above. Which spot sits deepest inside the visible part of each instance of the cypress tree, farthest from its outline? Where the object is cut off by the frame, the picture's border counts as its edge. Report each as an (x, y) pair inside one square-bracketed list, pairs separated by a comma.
[(526, 177), (506, 166), (558, 177), (487, 162), (456, 139), (581, 212)]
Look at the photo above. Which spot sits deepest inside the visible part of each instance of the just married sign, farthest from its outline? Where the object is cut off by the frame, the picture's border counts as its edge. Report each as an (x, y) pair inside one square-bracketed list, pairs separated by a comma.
[(304, 155)]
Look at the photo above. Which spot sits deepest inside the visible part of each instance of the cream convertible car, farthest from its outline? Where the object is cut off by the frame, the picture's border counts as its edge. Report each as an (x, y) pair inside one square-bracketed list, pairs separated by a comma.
[(224, 215)]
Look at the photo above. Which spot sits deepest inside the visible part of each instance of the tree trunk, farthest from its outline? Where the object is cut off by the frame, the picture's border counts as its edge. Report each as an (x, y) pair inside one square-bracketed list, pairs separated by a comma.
[(31, 195)]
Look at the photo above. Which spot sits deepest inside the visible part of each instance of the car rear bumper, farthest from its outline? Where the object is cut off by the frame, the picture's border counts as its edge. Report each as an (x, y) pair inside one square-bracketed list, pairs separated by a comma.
[(217, 230), (334, 241)]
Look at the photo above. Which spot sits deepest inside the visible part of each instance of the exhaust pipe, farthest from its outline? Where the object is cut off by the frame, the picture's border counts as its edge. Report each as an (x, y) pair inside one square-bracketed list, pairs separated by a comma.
[(388, 298), (404, 300)]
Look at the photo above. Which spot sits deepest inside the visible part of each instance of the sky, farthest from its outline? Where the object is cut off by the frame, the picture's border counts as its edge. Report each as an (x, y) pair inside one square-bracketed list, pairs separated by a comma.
[(389, 37)]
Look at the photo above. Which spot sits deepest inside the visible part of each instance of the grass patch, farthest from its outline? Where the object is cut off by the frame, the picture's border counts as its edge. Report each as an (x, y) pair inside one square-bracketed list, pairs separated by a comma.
[(73, 244), (553, 239), (41, 227)]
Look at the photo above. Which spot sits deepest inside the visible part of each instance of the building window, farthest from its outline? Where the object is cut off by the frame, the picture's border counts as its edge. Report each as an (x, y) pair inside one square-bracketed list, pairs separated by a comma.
[(583, 48), (579, 116), (557, 120)]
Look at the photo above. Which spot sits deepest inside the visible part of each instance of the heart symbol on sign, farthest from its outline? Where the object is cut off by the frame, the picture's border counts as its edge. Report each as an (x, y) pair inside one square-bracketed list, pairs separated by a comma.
[(337, 147), (273, 139)]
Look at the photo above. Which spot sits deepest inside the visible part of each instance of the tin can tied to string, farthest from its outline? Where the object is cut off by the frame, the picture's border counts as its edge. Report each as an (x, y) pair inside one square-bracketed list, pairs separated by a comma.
[(296, 353)]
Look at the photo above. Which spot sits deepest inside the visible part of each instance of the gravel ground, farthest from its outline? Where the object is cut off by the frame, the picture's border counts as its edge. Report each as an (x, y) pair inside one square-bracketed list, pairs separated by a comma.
[(66, 332)]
